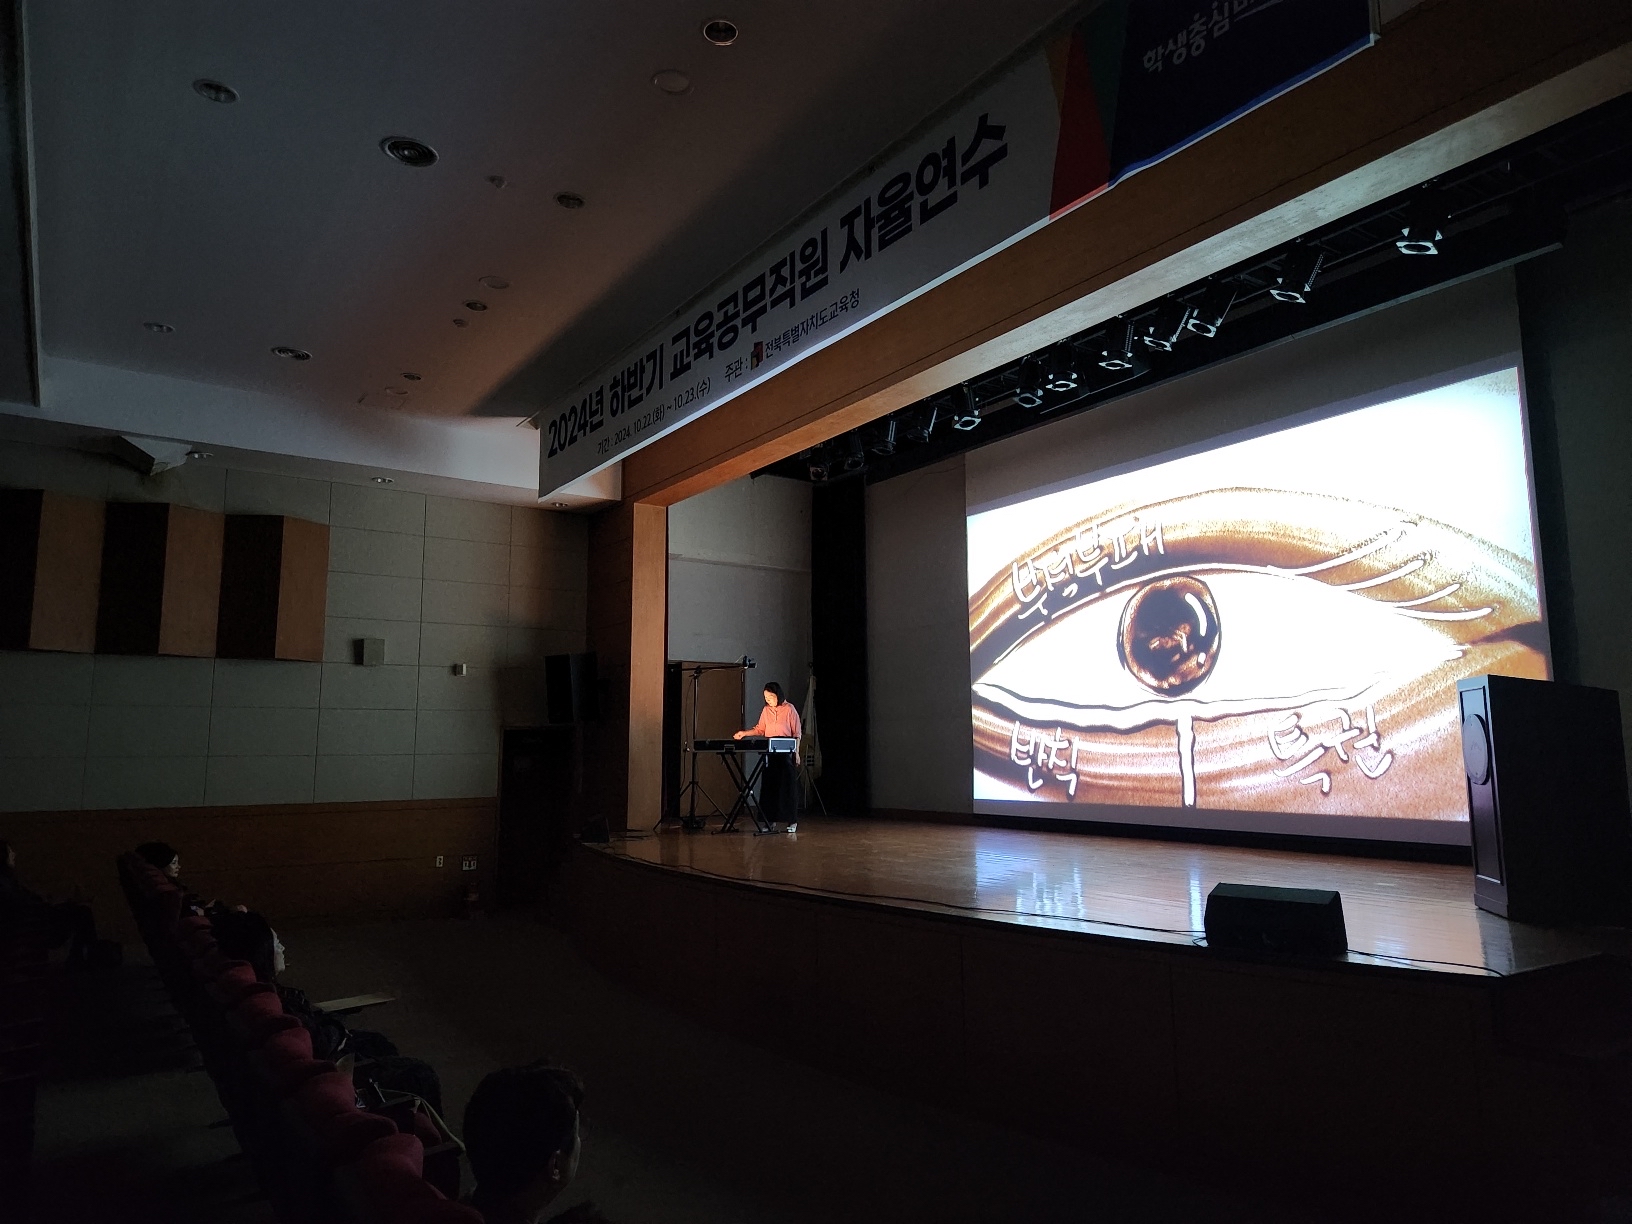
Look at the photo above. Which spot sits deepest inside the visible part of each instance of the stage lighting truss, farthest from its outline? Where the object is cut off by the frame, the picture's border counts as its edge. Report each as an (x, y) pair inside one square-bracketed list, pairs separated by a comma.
[(1211, 308), (1421, 234), (965, 412), (1500, 208), (1162, 330), (1298, 272)]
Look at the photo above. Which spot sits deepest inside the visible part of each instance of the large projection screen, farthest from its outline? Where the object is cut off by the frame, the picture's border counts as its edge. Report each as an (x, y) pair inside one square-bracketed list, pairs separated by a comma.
[(1264, 632)]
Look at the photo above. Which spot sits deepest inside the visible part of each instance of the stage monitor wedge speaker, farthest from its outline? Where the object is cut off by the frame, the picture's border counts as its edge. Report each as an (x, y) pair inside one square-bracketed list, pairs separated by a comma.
[(569, 688), (1289, 921), (1546, 776)]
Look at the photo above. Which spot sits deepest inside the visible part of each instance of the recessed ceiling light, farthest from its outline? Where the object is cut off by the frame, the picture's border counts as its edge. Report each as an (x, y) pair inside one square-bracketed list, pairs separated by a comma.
[(559, 505), (476, 305), (495, 282), (412, 377), (293, 354), (200, 454), (672, 81), (569, 199), (409, 152), (498, 180), (383, 480), (214, 90), (461, 322), (164, 329), (720, 32)]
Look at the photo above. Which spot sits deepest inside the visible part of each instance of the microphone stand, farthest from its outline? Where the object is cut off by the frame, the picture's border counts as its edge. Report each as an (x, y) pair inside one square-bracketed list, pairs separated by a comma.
[(693, 788)]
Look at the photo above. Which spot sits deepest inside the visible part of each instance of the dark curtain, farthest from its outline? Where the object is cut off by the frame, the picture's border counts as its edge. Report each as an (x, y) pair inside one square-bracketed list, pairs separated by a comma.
[(838, 636)]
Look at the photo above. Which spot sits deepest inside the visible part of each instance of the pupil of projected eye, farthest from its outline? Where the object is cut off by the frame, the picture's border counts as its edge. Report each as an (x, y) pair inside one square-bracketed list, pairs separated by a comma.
[(1169, 635)]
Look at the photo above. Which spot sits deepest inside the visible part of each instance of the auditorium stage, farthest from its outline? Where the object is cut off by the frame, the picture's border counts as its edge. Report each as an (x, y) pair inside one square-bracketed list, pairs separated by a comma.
[(1057, 980), (1399, 914)]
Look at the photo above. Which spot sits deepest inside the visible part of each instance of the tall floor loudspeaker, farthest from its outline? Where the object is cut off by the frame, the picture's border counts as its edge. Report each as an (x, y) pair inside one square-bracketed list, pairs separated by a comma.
[(1546, 773)]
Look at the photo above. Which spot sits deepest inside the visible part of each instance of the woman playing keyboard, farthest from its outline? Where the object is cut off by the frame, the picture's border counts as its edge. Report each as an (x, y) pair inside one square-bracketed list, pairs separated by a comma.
[(778, 791)]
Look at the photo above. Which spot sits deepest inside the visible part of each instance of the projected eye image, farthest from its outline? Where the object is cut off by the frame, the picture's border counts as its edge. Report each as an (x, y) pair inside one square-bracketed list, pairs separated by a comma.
[(1276, 624)]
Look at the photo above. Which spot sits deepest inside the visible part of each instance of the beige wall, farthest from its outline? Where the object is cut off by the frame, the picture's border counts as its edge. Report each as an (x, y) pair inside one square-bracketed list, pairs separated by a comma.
[(739, 581), (443, 581)]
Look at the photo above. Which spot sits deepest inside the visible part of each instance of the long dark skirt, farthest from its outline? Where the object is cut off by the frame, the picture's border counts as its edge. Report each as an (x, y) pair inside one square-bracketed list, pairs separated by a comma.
[(779, 789)]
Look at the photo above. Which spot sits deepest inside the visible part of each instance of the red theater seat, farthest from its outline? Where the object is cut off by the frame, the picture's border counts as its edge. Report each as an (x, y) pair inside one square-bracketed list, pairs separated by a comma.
[(385, 1180), (235, 982), (384, 1185), (257, 1016), (331, 1092), (167, 904), (285, 1062)]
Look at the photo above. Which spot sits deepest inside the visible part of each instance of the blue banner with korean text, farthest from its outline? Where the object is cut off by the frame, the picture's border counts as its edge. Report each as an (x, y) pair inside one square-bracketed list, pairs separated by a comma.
[(1189, 68)]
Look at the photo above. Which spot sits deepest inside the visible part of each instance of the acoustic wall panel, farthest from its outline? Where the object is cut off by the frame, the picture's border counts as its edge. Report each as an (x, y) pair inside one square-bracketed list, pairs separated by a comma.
[(50, 569), (274, 588), (161, 580)]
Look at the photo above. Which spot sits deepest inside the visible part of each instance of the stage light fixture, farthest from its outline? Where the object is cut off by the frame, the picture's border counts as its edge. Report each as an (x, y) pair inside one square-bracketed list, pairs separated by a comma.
[(965, 412), (855, 458), (921, 425), (818, 466), (884, 444), (1298, 272), (1161, 331), (1062, 374), (1029, 394), (1118, 357), (1210, 309), (1421, 233)]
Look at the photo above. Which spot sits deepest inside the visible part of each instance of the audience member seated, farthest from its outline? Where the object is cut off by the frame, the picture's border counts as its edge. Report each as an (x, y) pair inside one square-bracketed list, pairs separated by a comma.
[(522, 1141), (168, 860), (245, 935), (69, 922)]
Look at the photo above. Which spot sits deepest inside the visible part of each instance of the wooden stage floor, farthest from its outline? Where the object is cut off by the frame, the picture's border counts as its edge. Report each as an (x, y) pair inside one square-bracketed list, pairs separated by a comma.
[(1399, 914)]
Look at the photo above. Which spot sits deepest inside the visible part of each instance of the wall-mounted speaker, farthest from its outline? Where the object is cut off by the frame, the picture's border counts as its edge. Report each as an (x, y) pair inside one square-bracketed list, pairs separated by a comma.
[(569, 688), (1546, 775)]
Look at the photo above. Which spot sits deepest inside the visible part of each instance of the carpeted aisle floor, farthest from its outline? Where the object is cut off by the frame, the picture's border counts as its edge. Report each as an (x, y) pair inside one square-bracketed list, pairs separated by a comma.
[(682, 1124)]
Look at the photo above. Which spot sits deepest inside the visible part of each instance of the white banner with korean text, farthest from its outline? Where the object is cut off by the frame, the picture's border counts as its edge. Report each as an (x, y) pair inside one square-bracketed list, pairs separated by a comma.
[(978, 181)]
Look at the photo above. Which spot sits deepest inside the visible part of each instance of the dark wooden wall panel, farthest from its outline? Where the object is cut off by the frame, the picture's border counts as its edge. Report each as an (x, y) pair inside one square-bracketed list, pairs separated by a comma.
[(303, 590), (274, 588), (308, 862), (1100, 1041), (1339, 1081), (192, 582), (66, 581), (161, 580), (130, 605), (50, 570)]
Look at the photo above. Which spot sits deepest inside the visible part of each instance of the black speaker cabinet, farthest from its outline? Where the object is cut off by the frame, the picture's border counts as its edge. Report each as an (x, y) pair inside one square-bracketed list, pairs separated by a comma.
[(1257, 918), (1546, 772)]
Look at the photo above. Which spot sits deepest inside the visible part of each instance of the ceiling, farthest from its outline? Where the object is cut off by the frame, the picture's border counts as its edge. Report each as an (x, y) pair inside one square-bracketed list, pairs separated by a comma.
[(277, 220)]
